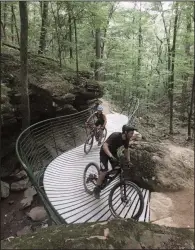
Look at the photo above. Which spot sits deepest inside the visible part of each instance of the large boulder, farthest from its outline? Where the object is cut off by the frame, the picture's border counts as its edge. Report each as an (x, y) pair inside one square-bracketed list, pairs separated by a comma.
[(162, 166), (116, 234)]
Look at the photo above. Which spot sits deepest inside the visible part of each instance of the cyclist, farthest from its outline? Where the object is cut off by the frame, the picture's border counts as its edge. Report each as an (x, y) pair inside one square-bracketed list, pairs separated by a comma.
[(100, 123), (108, 152)]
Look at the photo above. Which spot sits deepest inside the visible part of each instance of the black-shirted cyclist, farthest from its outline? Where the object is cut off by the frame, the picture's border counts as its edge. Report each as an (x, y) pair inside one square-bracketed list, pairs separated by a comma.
[(108, 152)]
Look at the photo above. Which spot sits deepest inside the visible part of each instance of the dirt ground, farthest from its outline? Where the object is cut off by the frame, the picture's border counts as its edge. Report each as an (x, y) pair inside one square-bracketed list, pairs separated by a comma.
[(12, 218), (183, 201)]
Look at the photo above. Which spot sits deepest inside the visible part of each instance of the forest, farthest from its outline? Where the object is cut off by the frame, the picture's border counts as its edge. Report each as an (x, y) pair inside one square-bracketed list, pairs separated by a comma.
[(134, 49), (59, 56)]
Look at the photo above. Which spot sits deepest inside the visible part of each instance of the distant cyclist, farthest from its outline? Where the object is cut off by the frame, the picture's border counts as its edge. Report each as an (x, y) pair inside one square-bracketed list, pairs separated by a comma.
[(108, 152), (100, 123)]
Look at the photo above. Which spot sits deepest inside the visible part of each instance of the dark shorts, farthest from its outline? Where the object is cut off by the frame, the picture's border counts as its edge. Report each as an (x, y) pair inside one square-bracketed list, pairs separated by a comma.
[(98, 122), (104, 161)]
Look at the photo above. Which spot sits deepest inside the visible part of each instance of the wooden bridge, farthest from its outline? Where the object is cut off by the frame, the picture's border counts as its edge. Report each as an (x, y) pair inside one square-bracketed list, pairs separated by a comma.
[(63, 184)]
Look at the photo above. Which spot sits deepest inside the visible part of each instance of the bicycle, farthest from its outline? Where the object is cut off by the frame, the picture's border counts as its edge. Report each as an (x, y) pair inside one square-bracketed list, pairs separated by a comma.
[(124, 184), (94, 133)]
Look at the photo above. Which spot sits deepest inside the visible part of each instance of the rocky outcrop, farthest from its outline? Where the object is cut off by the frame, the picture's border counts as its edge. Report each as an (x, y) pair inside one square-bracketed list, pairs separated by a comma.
[(116, 234), (161, 166), (52, 92)]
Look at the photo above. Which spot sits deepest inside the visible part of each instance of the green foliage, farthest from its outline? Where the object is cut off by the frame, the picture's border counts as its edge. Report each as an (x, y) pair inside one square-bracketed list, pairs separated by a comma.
[(133, 41)]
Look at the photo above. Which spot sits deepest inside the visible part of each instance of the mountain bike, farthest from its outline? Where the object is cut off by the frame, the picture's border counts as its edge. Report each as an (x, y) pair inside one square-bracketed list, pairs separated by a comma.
[(94, 134), (124, 192)]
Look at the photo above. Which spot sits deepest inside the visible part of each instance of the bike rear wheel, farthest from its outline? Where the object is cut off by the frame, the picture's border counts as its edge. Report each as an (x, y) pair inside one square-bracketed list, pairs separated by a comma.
[(126, 200), (90, 177), (88, 143)]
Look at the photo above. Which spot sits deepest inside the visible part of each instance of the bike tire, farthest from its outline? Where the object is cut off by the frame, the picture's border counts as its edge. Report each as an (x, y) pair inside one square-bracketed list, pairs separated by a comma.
[(84, 175), (104, 138), (88, 138), (141, 199)]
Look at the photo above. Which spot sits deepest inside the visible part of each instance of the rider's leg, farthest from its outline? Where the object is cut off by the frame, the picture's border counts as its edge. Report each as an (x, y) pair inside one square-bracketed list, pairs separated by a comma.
[(100, 136), (103, 171)]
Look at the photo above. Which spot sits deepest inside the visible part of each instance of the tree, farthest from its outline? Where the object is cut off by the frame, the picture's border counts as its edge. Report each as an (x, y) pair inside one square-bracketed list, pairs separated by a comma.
[(25, 107), (42, 42)]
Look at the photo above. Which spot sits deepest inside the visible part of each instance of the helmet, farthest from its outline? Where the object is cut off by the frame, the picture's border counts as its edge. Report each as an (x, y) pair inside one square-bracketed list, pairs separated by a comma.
[(127, 128), (100, 108)]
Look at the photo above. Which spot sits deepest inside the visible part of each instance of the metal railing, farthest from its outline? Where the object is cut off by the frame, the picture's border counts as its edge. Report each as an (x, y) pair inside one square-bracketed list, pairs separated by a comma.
[(42, 142)]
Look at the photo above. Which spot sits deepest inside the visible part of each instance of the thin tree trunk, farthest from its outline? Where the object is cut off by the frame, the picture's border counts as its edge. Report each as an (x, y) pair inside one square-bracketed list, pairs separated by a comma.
[(58, 35), (76, 43), (15, 24), (191, 109), (5, 20), (184, 95), (167, 34), (25, 107), (111, 11), (139, 52), (70, 31), (12, 23), (98, 53), (42, 41), (171, 83)]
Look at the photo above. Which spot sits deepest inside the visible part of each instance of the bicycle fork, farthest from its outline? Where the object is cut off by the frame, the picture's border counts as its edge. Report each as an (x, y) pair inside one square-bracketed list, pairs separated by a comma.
[(123, 192)]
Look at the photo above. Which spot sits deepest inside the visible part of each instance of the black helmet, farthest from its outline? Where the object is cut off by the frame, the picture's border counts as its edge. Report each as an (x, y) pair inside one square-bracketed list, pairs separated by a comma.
[(127, 128)]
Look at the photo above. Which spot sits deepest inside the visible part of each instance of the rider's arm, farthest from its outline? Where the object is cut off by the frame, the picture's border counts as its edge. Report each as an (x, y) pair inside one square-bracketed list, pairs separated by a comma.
[(90, 117), (106, 149), (105, 120)]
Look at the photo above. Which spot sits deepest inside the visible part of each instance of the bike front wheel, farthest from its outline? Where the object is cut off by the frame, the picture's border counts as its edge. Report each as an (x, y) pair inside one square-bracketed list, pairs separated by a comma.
[(126, 200), (90, 177), (88, 144)]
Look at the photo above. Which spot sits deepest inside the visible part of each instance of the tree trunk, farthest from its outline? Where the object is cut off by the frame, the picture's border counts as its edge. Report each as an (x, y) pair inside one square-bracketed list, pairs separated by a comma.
[(25, 107), (70, 31), (184, 95), (171, 83), (98, 53), (42, 42), (139, 53), (76, 43), (15, 24), (4, 19), (111, 11), (191, 109), (12, 23), (57, 34)]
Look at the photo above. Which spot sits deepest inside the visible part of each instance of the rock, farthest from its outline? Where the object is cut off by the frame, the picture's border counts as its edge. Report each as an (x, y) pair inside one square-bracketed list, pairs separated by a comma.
[(37, 214), (160, 206), (25, 230), (30, 192), (162, 166), (149, 240), (168, 222), (28, 197), (11, 202), (5, 189), (20, 185), (26, 202), (21, 175)]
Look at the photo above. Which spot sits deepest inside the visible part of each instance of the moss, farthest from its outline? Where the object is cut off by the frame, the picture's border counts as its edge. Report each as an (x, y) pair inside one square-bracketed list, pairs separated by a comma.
[(91, 236)]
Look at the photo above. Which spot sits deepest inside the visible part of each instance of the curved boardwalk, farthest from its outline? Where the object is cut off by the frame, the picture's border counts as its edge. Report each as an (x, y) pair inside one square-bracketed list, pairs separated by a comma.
[(63, 183)]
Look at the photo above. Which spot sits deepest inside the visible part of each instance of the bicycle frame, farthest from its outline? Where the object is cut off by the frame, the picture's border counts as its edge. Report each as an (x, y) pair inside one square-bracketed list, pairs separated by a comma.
[(108, 179)]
